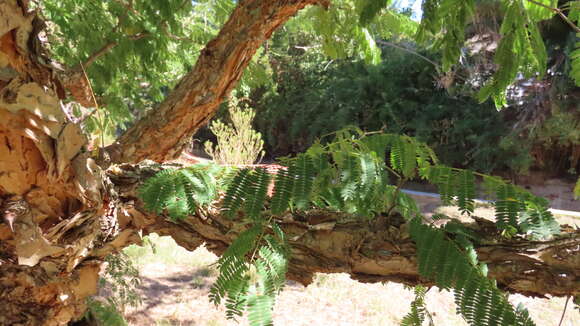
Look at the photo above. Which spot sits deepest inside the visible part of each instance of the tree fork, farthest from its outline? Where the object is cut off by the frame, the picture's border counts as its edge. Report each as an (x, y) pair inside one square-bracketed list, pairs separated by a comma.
[(58, 210), (61, 214)]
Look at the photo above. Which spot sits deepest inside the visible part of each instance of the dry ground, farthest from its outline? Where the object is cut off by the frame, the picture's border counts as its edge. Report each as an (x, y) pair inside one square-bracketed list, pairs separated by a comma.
[(175, 285)]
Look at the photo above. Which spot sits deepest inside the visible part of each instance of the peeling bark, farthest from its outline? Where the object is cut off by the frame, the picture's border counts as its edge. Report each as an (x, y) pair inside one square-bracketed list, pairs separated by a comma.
[(55, 205), (61, 214)]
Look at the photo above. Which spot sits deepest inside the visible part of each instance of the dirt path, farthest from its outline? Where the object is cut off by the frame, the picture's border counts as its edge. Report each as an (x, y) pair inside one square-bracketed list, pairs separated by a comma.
[(559, 192)]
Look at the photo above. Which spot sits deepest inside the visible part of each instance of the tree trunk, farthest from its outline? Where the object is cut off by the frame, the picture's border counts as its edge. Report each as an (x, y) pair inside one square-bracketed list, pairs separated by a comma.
[(62, 214)]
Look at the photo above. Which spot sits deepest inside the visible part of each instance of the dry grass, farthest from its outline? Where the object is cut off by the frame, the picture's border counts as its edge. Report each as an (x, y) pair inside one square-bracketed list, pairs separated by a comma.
[(175, 285)]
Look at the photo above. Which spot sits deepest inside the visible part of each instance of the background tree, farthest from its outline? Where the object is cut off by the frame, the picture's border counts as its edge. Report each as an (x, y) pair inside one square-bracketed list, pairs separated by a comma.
[(66, 208)]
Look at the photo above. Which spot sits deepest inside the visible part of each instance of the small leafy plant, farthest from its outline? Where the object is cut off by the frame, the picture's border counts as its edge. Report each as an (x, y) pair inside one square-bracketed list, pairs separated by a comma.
[(237, 143), (120, 280)]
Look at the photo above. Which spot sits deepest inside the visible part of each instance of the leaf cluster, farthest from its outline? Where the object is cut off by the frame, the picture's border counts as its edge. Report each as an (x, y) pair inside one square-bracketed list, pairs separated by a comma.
[(180, 192), (351, 174), (478, 299), (252, 272)]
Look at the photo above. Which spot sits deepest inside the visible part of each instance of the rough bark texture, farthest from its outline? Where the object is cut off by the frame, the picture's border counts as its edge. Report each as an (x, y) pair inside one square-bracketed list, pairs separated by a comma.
[(196, 98), (61, 214), (330, 242), (52, 197)]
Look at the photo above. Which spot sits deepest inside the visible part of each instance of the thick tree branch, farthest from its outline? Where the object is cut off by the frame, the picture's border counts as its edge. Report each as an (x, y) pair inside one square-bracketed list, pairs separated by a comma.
[(330, 242), (164, 132)]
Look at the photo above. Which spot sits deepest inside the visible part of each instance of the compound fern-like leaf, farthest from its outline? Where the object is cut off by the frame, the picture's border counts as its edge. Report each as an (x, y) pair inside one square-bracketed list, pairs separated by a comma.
[(232, 281), (283, 186), (256, 193), (302, 170), (478, 300), (236, 192), (418, 312)]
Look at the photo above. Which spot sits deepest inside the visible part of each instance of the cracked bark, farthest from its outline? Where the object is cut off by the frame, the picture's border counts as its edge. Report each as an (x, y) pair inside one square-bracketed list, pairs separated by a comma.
[(197, 96), (340, 244), (62, 214)]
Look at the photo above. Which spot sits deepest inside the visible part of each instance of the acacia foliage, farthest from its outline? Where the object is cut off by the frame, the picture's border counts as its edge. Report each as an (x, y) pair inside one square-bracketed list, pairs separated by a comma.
[(352, 174), (134, 52), (145, 46)]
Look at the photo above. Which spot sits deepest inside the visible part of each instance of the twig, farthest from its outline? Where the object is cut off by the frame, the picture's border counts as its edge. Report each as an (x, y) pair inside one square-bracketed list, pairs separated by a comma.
[(101, 123), (107, 47), (564, 312), (90, 86), (559, 12), (408, 51), (102, 51)]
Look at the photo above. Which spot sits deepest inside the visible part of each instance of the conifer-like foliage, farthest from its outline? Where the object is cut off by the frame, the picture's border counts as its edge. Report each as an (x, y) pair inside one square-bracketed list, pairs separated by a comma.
[(361, 174)]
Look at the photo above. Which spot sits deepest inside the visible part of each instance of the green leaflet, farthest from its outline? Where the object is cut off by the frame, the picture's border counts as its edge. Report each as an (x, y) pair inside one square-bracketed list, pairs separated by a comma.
[(256, 192), (370, 9), (236, 192), (478, 300), (302, 170), (521, 49), (575, 62), (446, 21), (418, 312), (537, 12), (284, 184), (507, 206), (179, 192), (233, 278), (252, 284)]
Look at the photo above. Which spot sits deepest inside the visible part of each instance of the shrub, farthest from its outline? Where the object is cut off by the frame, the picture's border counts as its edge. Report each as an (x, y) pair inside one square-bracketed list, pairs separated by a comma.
[(399, 95), (237, 143)]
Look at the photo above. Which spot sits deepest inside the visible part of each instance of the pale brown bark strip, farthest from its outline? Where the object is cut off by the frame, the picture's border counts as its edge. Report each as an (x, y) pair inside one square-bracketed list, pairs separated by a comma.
[(164, 132)]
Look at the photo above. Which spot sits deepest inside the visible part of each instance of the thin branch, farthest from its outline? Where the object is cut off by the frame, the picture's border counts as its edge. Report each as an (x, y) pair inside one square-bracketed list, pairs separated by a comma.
[(564, 312), (109, 46), (99, 121), (408, 51), (90, 86), (559, 12), (102, 51)]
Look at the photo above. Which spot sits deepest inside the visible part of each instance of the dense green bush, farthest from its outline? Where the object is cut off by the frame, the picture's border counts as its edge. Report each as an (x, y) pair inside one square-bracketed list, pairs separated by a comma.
[(400, 95)]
